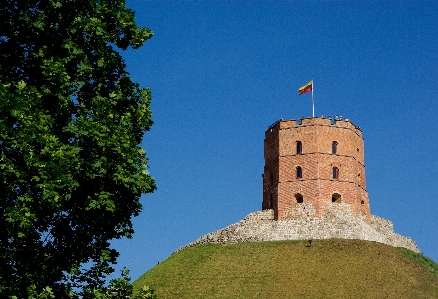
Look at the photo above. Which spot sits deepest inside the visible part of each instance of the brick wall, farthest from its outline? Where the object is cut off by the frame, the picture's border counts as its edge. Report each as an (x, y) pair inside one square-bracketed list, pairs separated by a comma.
[(282, 187)]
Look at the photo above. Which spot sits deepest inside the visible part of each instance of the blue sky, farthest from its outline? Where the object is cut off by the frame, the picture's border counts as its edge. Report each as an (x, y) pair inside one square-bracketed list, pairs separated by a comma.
[(222, 71)]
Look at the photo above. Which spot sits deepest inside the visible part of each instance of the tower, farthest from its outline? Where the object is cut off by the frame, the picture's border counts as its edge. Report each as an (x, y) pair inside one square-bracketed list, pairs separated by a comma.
[(314, 160)]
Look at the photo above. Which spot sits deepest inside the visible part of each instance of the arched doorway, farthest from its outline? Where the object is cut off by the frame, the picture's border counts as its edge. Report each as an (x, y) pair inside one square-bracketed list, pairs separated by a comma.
[(336, 197)]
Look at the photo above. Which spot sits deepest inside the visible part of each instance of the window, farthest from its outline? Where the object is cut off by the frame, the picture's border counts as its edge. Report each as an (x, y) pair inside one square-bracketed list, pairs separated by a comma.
[(299, 172), (299, 198), (334, 147), (336, 197), (335, 173), (299, 147), (272, 179)]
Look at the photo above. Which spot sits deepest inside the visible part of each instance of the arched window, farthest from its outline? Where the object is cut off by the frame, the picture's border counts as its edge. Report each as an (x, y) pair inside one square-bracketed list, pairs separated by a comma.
[(335, 173), (299, 147), (299, 172), (334, 147), (299, 198), (336, 197)]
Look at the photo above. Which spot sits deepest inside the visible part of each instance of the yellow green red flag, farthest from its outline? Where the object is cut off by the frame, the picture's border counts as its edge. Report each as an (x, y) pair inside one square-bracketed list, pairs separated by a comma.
[(306, 88)]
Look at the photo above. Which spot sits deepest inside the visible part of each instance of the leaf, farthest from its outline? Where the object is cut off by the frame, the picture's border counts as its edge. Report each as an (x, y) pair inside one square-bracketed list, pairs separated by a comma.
[(21, 84)]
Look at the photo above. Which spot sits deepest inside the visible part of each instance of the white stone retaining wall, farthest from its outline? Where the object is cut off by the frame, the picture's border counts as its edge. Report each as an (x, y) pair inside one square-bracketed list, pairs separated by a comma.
[(338, 222)]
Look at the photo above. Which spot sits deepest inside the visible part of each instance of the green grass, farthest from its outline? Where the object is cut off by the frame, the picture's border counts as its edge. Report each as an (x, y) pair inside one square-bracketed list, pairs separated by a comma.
[(421, 260), (291, 269)]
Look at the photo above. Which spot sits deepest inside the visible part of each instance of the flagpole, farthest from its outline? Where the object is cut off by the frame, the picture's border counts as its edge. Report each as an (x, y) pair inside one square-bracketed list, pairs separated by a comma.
[(313, 103)]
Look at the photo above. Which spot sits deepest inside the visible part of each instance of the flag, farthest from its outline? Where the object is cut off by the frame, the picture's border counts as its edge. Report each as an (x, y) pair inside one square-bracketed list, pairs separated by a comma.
[(306, 88)]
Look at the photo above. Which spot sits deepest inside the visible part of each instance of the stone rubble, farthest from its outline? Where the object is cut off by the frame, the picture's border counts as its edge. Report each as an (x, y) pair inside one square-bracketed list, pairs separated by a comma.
[(338, 222)]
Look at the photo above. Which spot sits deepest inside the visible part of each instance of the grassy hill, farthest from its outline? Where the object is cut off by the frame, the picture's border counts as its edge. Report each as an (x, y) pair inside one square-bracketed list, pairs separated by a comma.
[(292, 269)]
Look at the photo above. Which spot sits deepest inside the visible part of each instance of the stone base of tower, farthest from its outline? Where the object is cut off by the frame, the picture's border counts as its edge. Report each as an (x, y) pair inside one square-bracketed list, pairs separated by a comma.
[(338, 222), (319, 209)]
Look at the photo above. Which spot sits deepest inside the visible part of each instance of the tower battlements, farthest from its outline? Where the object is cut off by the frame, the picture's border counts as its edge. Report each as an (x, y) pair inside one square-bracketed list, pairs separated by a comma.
[(314, 121), (314, 160)]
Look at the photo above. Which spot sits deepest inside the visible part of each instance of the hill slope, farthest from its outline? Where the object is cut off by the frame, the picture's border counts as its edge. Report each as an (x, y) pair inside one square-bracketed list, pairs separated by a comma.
[(291, 269)]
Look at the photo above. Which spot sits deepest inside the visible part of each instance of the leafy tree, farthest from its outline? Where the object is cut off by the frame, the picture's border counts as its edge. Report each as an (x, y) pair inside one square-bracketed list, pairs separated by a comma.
[(122, 288), (146, 293), (71, 121)]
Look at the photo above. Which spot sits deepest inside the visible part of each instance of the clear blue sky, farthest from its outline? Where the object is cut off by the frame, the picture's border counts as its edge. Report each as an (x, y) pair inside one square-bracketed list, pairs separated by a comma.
[(222, 71)]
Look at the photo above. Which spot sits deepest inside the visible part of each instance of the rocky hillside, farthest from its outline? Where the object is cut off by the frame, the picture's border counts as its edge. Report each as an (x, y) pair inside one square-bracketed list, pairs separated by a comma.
[(338, 222)]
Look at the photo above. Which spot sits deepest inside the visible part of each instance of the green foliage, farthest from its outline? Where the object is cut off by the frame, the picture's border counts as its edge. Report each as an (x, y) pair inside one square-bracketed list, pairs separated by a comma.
[(35, 294), (71, 122), (146, 293), (120, 287), (290, 269)]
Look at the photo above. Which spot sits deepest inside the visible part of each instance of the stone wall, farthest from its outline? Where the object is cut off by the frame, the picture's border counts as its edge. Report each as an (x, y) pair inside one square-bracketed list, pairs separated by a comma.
[(338, 222)]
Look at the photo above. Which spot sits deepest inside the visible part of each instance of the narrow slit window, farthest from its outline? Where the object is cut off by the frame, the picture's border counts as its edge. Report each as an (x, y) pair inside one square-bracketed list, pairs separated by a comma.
[(334, 147), (299, 172), (335, 173), (299, 147)]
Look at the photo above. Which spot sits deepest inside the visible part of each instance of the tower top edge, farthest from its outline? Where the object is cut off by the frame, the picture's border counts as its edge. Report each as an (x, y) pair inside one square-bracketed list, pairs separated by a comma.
[(336, 121)]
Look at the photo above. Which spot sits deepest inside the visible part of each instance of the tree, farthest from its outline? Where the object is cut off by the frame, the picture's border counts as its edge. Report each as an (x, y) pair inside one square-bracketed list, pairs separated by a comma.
[(71, 123), (146, 293), (122, 288)]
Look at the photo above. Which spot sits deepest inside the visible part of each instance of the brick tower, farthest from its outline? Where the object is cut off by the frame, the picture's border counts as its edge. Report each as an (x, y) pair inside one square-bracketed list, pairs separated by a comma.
[(314, 160)]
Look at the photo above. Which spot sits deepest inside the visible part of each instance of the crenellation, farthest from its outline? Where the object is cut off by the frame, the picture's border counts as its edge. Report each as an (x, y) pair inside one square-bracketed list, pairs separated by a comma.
[(287, 123), (316, 121)]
